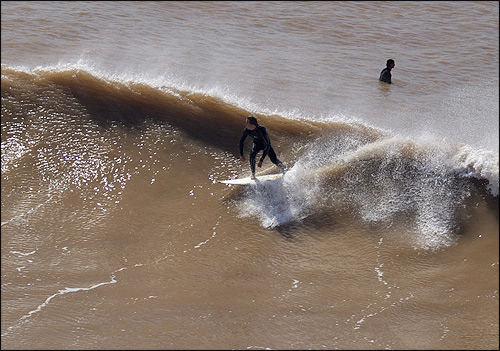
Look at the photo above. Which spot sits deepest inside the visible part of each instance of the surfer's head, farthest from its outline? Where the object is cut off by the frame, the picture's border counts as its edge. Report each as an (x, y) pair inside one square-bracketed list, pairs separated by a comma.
[(390, 63), (252, 123)]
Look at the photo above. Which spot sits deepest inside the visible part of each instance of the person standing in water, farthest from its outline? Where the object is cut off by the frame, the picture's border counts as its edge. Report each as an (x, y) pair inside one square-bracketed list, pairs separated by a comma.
[(385, 75), (260, 142)]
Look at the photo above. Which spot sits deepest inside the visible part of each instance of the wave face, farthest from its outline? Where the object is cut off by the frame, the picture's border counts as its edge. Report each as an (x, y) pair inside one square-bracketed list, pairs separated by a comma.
[(80, 131)]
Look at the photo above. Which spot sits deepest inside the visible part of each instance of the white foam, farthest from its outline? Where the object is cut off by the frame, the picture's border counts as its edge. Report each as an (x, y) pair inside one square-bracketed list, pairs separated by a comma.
[(480, 164), (431, 192), (281, 201)]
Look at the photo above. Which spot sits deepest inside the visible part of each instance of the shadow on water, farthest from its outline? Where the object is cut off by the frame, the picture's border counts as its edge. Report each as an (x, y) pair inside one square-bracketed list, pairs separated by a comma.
[(201, 117)]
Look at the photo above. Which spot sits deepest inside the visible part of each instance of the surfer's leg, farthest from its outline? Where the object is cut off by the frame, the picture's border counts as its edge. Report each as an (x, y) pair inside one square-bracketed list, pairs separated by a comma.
[(274, 159), (253, 155)]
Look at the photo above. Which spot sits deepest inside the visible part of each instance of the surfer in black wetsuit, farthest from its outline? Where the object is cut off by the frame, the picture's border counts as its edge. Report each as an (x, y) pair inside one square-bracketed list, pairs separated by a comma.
[(385, 75), (260, 142)]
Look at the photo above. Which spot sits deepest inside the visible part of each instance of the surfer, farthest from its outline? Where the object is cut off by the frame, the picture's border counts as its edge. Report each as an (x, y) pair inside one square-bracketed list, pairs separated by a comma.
[(260, 142), (385, 75)]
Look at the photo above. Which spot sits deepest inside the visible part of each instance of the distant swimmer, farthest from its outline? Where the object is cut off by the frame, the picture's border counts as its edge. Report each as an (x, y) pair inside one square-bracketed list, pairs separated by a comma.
[(385, 75), (260, 142)]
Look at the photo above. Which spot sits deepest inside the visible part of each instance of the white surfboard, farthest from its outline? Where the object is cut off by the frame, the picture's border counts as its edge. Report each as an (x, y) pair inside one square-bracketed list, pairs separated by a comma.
[(246, 181)]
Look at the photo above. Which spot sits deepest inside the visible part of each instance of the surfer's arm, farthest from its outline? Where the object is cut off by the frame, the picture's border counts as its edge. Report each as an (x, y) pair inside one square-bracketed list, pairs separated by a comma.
[(242, 141)]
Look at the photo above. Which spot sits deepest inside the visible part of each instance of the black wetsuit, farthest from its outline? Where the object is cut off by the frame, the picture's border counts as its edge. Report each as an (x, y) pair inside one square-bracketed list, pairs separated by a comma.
[(385, 75), (260, 142)]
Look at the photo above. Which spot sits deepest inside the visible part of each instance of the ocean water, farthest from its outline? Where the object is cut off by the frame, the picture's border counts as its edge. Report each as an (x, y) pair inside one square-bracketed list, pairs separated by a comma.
[(118, 118)]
